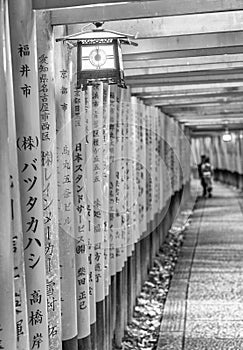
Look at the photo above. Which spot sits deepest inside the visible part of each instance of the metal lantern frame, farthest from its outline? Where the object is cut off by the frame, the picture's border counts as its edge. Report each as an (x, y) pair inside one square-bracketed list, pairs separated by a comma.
[(98, 39)]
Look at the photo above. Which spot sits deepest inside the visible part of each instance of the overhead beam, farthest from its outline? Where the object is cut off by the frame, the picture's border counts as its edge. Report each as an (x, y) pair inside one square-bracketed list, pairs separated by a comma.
[(188, 42), (57, 4), (184, 61), (186, 87), (207, 108), (157, 9), (193, 113), (175, 102), (219, 22), (209, 123), (212, 117), (170, 26), (180, 69), (183, 53), (189, 74), (192, 94), (140, 10), (160, 80)]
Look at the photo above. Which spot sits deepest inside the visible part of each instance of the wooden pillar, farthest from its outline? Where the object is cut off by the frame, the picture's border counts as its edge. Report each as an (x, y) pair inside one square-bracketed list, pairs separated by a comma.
[(65, 195), (45, 39), (97, 113), (90, 213), (106, 158), (80, 216), (120, 249), (22, 329), (7, 311), (112, 210), (25, 76)]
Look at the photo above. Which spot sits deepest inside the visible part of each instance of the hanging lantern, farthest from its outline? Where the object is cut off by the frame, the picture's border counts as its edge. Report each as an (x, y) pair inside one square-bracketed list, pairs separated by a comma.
[(99, 56), (227, 136)]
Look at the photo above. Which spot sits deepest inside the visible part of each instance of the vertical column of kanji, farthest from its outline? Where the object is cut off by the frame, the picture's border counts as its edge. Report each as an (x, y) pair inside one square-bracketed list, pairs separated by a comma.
[(7, 312), (129, 159), (112, 207), (65, 192), (142, 159), (123, 193), (162, 160), (89, 201), (165, 163), (171, 154), (215, 154), (176, 148), (97, 108), (173, 148), (132, 229), (224, 154), (184, 145), (238, 155), (241, 153), (133, 133), (80, 219), (22, 330), (45, 53), (159, 160), (179, 153), (157, 169), (181, 140), (187, 154), (139, 189), (221, 160), (112, 179), (106, 158), (148, 164), (154, 112), (25, 76), (117, 164), (168, 157), (97, 114)]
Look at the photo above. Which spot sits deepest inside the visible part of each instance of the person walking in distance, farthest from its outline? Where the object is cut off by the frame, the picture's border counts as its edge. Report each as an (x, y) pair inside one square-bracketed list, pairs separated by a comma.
[(207, 173), (203, 157)]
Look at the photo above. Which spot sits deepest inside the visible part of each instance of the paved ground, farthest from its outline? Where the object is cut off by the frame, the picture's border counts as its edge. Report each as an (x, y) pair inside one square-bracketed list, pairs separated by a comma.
[(204, 307)]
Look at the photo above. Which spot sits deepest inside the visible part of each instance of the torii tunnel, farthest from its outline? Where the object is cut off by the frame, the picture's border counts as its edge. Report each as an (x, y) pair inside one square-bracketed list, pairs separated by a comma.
[(104, 212)]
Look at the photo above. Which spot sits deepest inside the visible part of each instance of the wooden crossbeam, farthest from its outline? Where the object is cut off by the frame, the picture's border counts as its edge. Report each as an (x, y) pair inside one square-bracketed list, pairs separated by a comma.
[(160, 80), (181, 25), (189, 42), (192, 94), (209, 106), (225, 72), (189, 88), (138, 10), (184, 61), (204, 112), (57, 4), (176, 25), (183, 53), (175, 102), (186, 68)]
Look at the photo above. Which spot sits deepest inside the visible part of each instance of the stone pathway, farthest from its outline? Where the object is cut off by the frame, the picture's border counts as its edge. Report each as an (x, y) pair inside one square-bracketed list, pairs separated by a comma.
[(204, 306)]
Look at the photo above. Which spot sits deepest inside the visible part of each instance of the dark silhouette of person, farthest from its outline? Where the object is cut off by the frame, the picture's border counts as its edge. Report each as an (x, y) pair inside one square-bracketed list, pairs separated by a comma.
[(200, 174), (207, 172)]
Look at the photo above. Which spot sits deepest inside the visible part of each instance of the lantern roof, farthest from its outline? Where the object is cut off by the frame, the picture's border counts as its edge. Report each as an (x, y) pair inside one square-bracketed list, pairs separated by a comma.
[(99, 34)]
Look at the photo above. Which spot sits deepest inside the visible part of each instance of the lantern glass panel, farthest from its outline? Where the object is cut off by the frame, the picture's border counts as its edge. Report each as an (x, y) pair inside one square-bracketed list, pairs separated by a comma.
[(98, 57)]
